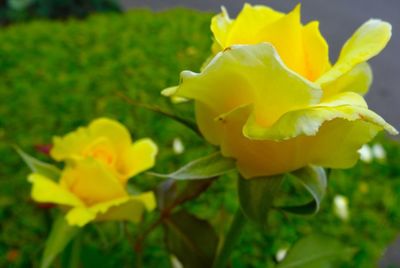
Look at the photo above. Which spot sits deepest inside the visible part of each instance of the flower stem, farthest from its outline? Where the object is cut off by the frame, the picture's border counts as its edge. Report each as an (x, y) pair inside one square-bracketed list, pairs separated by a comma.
[(231, 238)]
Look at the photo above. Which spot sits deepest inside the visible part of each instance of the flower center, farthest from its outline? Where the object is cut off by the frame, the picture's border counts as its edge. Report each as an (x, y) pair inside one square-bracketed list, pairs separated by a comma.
[(101, 150), (102, 155)]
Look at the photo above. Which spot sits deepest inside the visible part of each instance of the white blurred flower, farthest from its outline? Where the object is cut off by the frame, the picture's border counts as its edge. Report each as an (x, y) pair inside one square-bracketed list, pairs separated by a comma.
[(379, 152), (175, 263), (365, 153), (341, 207), (177, 146), (281, 254)]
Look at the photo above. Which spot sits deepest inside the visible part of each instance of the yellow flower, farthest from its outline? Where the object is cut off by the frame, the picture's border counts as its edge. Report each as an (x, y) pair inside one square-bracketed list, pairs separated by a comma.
[(110, 143), (271, 99), (100, 160)]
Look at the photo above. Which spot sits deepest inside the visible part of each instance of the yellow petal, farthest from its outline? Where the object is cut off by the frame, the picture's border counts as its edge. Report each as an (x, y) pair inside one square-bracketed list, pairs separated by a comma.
[(127, 208), (247, 74), (247, 25), (205, 118), (170, 91), (257, 158), (80, 216), (139, 157), (347, 105), (286, 35), (358, 80), (132, 209), (76, 143), (221, 24), (112, 130), (102, 150), (370, 39), (92, 181), (71, 145), (335, 145), (46, 190), (316, 51)]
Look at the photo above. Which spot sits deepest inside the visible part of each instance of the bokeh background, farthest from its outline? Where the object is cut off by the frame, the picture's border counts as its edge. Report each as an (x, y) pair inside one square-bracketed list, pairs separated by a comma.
[(63, 63)]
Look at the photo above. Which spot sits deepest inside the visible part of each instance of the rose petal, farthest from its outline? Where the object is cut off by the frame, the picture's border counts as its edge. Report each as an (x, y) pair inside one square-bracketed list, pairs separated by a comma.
[(347, 105), (92, 181), (370, 39), (46, 190), (358, 80), (139, 157), (126, 208)]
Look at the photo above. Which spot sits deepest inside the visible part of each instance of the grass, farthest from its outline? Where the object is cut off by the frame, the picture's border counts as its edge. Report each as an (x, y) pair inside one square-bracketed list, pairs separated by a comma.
[(56, 76)]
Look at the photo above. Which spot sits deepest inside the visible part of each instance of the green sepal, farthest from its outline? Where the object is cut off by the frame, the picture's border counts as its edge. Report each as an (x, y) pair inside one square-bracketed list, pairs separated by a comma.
[(256, 197), (37, 166), (315, 181), (207, 167)]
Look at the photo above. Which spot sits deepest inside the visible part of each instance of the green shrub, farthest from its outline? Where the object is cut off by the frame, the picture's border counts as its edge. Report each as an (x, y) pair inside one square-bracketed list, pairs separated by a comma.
[(56, 76), (22, 10)]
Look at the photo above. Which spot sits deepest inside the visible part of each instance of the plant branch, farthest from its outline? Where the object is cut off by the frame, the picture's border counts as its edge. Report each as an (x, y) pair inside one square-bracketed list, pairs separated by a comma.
[(166, 212), (186, 122)]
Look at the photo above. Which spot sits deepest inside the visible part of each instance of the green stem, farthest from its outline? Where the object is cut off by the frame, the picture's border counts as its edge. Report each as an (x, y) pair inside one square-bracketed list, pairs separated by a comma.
[(231, 238), (74, 259)]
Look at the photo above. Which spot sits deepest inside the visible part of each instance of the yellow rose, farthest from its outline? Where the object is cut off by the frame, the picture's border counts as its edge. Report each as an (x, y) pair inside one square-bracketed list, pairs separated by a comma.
[(110, 143), (100, 160), (271, 99)]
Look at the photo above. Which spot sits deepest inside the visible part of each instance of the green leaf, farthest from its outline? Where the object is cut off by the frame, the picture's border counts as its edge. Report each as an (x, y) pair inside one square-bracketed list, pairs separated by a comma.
[(166, 193), (193, 189), (256, 196), (316, 251), (37, 166), (169, 196), (314, 180), (60, 235), (193, 241), (204, 168)]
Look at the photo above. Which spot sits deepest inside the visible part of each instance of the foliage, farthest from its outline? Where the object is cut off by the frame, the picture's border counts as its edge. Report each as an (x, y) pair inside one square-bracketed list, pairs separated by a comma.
[(22, 10), (56, 76)]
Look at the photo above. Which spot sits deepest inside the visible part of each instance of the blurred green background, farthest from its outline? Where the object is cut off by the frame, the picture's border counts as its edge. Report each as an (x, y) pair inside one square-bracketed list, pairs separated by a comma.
[(58, 75)]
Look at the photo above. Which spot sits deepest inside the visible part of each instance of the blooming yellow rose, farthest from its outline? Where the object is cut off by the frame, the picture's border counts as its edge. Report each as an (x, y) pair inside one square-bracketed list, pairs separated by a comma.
[(100, 160), (272, 100), (110, 143)]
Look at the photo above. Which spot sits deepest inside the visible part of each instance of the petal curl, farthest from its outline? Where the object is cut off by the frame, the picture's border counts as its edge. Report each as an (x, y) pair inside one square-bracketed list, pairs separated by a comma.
[(348, 105), (370, 39), (337, 142), (127, 208), (335, 145), (132, 209), (249, 74), (139, 157), (358, 80), (46, 190)]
